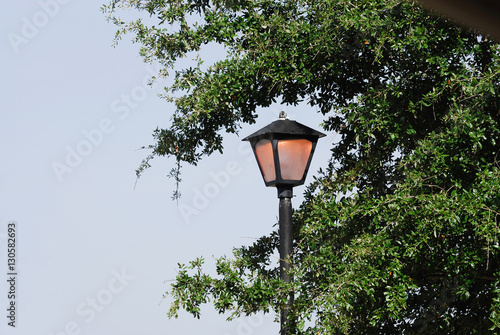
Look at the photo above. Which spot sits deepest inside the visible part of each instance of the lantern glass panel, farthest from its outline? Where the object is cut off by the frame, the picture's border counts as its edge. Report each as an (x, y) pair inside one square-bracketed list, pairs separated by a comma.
[(264, 152), (294, 155)]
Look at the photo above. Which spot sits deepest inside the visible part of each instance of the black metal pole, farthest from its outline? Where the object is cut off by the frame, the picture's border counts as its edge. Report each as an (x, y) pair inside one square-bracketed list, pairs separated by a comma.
[(286, 244)]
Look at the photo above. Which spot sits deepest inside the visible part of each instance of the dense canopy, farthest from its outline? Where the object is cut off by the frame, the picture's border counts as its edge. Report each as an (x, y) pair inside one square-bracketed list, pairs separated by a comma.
[(399, 233)]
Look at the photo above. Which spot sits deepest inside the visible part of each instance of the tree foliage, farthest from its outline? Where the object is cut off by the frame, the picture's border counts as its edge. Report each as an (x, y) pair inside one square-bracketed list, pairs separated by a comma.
[(399, 233)]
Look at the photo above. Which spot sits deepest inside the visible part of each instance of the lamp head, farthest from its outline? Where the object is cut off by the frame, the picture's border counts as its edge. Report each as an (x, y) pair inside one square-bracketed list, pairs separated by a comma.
[(284, 150)]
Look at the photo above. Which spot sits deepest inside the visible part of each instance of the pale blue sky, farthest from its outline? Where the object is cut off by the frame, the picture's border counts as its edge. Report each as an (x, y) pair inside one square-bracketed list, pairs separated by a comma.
[(95, 255)]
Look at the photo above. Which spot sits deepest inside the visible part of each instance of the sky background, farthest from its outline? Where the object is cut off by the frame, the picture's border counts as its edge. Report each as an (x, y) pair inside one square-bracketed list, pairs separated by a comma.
[(94, 253)]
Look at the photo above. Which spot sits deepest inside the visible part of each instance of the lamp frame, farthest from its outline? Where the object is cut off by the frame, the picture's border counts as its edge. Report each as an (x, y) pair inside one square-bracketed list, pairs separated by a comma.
[(274, 139)]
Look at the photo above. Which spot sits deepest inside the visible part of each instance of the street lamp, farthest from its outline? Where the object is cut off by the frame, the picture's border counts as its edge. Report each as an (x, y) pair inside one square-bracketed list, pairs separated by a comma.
[(284, 150)]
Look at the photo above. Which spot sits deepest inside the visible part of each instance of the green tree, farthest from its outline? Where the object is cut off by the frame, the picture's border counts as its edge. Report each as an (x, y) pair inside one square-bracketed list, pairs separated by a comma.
[(399, 233)]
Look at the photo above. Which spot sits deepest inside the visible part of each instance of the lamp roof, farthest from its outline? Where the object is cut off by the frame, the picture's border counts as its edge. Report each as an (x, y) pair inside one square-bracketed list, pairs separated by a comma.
[(285, 127)]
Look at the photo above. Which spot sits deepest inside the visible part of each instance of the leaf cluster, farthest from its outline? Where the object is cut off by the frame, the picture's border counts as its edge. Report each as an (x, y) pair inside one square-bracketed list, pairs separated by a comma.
[(399, 233)]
